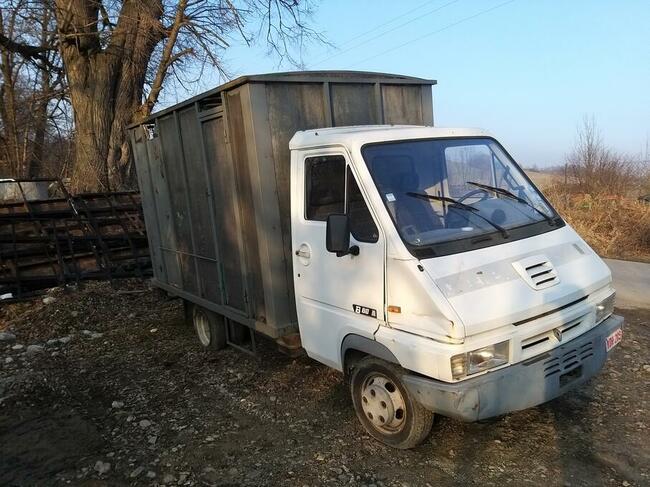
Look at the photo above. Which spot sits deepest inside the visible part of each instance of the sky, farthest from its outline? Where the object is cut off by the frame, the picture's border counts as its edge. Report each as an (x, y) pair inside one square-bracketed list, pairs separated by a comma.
[(527, 71)]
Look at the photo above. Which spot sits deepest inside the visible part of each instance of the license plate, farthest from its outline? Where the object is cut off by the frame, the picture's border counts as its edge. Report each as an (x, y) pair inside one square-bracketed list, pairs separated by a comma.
[(612, 340)]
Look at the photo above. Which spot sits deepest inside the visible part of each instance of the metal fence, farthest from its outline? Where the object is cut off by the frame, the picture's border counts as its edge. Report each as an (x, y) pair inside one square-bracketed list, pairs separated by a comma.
[(51, 238)]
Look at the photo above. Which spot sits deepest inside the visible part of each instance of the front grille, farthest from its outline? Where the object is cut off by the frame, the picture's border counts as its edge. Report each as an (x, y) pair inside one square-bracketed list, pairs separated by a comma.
[(562, 333), (536, 317), (536, 340), (568, 361)]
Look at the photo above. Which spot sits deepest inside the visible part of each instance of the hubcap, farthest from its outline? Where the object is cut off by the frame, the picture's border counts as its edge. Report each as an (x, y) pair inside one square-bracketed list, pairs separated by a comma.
[(383, 403), (202, 326)]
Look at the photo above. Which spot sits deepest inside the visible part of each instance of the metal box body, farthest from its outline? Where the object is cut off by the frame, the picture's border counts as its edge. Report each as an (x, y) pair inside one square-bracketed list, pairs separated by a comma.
[(214, 178)]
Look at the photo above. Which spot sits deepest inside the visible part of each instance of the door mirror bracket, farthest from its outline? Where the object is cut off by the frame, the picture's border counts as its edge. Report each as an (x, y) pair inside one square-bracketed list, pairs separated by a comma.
[(354, 250), (337, 236)]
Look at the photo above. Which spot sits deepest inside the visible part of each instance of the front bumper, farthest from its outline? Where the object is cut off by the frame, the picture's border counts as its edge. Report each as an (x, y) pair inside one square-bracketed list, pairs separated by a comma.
[(519, 386)]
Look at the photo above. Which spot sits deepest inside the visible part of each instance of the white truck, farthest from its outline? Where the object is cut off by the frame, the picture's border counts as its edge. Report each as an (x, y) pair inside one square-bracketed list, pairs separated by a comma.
[(420, 261)]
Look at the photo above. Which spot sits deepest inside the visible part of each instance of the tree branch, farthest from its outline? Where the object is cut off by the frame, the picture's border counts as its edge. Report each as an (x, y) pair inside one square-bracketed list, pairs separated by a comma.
[(168, 58), (25, 50)]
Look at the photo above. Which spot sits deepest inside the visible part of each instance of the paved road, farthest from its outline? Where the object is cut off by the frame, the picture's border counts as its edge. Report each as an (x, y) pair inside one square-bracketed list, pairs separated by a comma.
[(632, 283)]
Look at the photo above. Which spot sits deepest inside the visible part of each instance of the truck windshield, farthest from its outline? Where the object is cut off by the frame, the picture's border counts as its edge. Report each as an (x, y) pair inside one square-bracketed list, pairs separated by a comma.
[(461, 192)]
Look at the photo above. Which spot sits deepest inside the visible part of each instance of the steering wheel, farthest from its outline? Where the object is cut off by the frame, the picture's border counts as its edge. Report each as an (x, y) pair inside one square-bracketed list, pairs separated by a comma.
[(474, 192)]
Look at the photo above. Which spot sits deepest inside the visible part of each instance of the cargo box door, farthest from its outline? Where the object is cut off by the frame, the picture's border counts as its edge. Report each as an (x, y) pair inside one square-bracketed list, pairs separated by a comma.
[(226, 214)]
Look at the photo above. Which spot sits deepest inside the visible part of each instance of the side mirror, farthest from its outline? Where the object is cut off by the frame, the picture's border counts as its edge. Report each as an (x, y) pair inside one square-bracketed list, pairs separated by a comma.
[(337, 237)]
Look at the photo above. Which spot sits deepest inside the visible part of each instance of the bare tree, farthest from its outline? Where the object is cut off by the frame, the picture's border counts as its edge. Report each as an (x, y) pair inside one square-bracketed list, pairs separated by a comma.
[(117, 56), (31, 89), (595, 168), (8, 98)]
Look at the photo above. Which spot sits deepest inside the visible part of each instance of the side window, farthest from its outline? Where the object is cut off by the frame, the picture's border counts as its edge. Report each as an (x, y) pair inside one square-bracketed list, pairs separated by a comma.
[(325, 186), (362, 225)]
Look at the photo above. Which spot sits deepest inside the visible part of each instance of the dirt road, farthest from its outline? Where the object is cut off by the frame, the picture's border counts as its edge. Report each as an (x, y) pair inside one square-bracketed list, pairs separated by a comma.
[(122, 395)]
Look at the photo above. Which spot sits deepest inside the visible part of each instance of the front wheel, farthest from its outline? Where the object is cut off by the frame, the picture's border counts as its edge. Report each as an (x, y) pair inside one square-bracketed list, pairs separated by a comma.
[(384, 406)]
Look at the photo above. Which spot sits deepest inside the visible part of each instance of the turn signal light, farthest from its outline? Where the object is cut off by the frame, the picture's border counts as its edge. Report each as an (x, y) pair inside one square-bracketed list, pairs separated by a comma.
[(394, 309)]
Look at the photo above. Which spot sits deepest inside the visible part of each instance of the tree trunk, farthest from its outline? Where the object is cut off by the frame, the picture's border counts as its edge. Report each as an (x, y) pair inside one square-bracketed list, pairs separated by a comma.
[(8, 114), (11, 145), (43, 97), (140, 32), (91, 95), (36, 168), (105, 84)]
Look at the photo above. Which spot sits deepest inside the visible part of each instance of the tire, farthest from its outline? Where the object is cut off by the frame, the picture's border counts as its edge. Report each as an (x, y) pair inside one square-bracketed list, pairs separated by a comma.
[(209, 327), (384, 406)]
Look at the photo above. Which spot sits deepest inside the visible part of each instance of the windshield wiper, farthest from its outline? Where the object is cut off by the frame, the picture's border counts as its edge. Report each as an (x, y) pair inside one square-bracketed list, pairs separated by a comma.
[(457, 204), (513, 196)]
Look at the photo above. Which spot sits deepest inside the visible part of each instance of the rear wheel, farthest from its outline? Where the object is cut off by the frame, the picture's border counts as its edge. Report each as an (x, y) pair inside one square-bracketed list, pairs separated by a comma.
[(210, 328), (384, 406)]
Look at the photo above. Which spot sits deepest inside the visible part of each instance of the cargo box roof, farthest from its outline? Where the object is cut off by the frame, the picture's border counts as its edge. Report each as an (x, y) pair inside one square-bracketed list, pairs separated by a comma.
[(297, 77)]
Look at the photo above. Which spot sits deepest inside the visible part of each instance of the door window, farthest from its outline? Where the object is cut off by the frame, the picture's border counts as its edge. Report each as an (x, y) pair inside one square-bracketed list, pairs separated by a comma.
[(362, 225), (325, 187), (326, 181)]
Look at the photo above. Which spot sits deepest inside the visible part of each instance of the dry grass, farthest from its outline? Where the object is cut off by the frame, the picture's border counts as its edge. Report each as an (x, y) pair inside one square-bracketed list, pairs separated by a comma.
[(543, 180), (614, 226)]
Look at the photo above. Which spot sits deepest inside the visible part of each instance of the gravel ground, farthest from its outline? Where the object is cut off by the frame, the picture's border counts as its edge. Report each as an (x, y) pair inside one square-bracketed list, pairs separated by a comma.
[(105, 386)]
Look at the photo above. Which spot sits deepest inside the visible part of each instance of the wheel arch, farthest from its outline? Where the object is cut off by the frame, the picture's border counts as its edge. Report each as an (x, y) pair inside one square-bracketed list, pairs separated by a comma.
[(355, 347)]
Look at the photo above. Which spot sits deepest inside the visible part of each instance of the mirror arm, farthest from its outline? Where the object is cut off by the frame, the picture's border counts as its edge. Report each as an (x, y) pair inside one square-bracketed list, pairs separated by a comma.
[(354, 250)]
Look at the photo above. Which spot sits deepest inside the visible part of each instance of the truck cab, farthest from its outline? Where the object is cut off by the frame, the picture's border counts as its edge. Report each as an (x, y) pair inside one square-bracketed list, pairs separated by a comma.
[(430, 270)]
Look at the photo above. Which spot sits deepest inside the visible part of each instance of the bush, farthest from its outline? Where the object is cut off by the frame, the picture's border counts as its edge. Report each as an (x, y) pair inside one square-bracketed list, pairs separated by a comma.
[(614, 226), (597, 192), (592, 167)]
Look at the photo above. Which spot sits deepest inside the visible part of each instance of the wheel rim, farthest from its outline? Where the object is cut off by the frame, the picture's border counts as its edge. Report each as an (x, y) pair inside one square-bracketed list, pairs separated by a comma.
[(202, 326), (383, 403)]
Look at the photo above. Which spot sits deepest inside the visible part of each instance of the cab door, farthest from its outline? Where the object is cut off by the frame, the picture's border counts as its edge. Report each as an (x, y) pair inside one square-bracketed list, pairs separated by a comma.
[(335, 296)]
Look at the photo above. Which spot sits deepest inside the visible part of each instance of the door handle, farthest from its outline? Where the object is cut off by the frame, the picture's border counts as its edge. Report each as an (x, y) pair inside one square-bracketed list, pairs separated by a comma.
[(304, 253)]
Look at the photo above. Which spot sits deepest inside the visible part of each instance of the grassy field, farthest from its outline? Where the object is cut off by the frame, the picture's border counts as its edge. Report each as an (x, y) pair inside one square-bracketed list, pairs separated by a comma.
[(615, 226)]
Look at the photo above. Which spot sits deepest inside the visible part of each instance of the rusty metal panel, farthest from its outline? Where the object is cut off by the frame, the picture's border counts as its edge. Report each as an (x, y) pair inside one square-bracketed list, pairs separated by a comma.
[(353, 104), (276, 273), (240, 153), (203, 237), (225, 212), (427, 105), (180, 217), (402, 104), (143, 170), (291, 107), (164, 211)]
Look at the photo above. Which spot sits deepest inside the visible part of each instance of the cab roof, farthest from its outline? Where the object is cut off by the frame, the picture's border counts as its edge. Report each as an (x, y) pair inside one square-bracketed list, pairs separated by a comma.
[(363, 134)]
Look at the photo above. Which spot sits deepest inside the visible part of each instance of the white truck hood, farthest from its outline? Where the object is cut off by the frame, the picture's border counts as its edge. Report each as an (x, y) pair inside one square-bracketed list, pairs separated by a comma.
[(504, 284)]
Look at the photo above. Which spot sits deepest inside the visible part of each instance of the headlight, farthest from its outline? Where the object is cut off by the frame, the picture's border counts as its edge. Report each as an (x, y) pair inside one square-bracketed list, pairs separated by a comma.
[(605, 308), (479, 360)]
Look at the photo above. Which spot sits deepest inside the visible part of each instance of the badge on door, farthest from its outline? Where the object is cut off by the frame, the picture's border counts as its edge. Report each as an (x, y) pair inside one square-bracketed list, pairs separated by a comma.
[(362, 310)]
